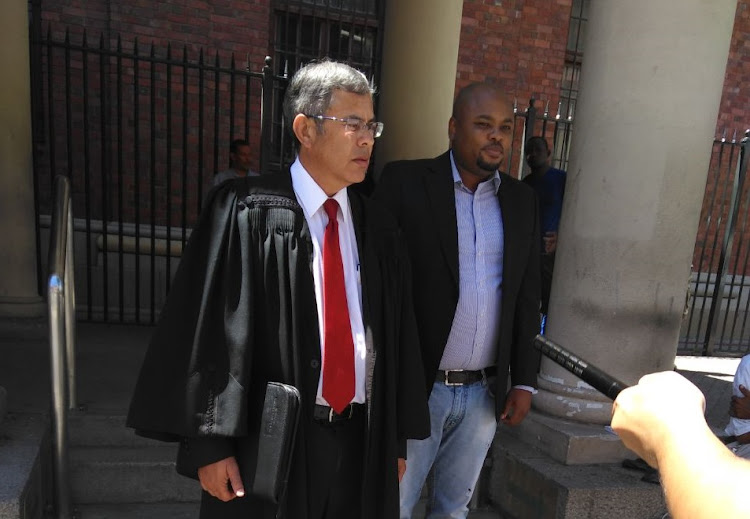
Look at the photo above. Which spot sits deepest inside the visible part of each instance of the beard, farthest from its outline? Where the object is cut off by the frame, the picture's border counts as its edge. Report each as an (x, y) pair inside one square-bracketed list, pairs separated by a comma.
[(491, 167)]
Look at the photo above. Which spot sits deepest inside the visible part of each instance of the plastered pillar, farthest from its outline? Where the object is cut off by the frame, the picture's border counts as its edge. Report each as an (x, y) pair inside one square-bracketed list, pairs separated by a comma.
[(418, 78), (651, 84), (18, 283)]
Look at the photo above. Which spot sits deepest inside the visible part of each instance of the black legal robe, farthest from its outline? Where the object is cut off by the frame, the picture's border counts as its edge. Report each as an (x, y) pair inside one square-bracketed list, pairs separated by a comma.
[(242, 312)]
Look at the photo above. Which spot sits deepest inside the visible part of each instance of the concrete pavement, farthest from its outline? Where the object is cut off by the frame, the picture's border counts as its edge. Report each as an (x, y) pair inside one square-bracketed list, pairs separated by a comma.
[(108, 358)]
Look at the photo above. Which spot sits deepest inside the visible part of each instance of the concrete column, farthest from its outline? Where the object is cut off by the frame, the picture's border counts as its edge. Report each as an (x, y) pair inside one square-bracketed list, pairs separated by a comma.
[(420, 54), (18, 284), (651, 84)]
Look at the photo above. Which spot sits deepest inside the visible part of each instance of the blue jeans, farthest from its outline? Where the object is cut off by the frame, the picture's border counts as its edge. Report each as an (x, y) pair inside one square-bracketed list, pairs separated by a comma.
[(463, 425)]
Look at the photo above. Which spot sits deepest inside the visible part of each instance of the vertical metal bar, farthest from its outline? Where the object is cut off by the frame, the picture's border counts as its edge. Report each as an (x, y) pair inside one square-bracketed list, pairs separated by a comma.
[(137, 177), (727, 244), (168, 101), (217, 113), (50, 109), (266, 122), (746, 310), (201, 108), (377, 56), (184, 146), (68, 113), (105, 165), (248, 93), (232, 73), (530, 120), (120, 187), (70, 310), (716, 247), (87, 174), (152, 153)]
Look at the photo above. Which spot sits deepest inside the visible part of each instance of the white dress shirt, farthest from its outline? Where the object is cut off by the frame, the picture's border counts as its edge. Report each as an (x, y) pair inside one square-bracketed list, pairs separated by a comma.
[(311, 197)]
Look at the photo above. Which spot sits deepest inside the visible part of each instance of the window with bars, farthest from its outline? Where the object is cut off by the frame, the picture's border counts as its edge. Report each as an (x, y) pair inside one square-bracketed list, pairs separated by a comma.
[(573, 57), (579, 14), (304, 30)]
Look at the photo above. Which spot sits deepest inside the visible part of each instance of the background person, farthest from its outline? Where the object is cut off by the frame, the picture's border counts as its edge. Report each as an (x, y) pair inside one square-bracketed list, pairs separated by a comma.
[(239, 162), (738, 428), (549, 185)]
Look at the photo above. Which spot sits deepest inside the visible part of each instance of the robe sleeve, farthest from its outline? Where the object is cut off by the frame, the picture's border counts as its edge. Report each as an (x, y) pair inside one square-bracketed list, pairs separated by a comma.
[(413, 410), (193, 378)]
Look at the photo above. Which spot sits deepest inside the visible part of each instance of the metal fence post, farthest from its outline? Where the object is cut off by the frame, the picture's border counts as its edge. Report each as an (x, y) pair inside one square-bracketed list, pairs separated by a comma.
[(266, 121), (530, 121), (726, 248)]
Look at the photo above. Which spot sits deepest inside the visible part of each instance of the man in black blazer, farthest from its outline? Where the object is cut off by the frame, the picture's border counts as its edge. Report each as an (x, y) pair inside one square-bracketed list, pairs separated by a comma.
[(256, 299), (473, 237)]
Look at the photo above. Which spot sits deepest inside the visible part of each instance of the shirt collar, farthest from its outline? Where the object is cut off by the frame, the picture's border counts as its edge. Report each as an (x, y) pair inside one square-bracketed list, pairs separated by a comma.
[(309, 194), (457, 178)]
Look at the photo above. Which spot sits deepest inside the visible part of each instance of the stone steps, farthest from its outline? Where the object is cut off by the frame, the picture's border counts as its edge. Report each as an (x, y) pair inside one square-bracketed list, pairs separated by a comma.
[(110, 466)]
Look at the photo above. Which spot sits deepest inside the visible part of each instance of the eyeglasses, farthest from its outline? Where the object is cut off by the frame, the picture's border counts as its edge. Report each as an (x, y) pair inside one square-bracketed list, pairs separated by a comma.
[(354, 124)]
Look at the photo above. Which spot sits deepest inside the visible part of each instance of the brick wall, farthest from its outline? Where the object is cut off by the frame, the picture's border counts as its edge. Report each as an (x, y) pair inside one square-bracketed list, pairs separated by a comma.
[(239, 26), (518, 45), (135, 151), (734, 112)]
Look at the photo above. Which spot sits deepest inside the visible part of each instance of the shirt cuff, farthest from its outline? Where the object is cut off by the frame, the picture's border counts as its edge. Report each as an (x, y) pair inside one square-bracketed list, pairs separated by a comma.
[(527, 388)]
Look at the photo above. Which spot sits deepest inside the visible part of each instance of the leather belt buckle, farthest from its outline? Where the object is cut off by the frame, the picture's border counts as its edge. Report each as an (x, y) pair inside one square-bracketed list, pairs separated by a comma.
[(447, 373), (331, 416), (346, 415)]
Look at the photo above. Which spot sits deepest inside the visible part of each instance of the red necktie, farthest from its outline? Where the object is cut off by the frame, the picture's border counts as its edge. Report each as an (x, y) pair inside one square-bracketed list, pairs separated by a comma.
[(338, 355)]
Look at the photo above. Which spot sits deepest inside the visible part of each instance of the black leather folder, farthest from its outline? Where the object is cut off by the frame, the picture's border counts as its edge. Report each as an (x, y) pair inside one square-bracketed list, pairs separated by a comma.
[(264, 456), (278, 427)]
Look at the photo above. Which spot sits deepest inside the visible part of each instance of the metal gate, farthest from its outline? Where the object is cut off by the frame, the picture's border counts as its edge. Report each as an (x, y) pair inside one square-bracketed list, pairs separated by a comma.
[(718, 303), (140, 132)]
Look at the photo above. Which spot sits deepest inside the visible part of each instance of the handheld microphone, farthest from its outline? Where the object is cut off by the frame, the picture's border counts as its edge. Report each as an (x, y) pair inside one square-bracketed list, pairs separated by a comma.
[(593, 376)]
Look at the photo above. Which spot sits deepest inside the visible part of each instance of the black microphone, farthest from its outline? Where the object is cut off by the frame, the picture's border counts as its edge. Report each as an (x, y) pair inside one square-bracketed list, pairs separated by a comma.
[(593, 376)]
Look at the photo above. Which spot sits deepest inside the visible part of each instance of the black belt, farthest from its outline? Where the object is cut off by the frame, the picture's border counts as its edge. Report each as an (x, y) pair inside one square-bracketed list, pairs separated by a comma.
[(460, 377), (323, 413)]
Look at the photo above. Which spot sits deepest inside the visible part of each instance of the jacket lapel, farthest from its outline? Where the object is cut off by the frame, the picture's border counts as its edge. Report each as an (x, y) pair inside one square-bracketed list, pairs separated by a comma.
[(442, 207)]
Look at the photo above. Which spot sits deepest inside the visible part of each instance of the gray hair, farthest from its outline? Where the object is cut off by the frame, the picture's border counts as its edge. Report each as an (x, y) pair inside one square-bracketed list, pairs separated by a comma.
[(310, 89)]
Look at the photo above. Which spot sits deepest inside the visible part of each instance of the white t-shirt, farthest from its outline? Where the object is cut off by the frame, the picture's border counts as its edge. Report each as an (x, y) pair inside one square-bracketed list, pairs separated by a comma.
[(737, 426)]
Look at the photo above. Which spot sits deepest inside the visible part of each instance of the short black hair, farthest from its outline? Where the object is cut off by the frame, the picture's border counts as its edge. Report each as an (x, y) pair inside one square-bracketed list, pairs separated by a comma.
[(537, 138), (236, 143)]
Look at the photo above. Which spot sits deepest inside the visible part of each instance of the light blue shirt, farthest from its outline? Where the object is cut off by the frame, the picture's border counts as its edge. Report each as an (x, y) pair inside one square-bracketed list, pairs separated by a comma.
[(472, 342)]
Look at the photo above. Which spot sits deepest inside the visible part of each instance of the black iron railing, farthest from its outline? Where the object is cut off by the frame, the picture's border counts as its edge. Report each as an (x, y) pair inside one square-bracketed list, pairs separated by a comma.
[(718, 300), (140, 132)]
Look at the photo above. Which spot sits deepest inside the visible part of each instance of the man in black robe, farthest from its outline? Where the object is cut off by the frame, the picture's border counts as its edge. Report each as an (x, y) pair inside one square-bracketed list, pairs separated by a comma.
[(248, 307)]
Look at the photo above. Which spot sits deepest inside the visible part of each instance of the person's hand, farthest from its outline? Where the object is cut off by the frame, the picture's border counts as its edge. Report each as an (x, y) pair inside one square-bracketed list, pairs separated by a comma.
[(650, 415), (740, 405), (550, 242), (401, 468), (214, 479), (517, 406)]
